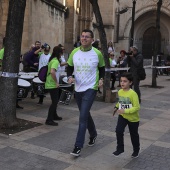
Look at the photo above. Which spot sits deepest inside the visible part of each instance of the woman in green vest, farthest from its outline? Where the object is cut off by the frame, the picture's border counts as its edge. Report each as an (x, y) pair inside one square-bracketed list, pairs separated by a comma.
[(52, 85)]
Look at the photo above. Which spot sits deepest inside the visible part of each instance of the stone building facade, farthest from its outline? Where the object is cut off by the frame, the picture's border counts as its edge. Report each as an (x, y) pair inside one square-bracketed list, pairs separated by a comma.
[(44, 21), (50, 21), (118, 27), (61, 21)]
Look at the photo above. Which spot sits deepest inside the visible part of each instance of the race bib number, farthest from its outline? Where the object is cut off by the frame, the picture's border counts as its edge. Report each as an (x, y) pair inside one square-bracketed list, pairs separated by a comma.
[(125, 106)]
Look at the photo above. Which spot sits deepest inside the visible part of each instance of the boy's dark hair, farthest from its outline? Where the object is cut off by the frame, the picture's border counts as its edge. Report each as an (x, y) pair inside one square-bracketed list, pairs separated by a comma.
[(91, 32), (128, 76)]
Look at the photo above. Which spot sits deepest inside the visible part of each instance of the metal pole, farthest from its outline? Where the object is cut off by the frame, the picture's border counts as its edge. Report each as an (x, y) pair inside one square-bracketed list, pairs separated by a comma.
[(118, 22), (133, 19)]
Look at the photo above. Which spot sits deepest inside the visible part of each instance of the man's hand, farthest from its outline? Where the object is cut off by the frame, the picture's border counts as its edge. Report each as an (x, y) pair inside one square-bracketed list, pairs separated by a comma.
[(57, 85), (100, 83), (115, 110), (35, 64), (70, 80)]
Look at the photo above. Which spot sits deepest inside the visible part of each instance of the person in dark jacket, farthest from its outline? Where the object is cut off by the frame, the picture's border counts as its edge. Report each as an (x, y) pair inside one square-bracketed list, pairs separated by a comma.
[(32, 60), (135, 61), (121, 63)]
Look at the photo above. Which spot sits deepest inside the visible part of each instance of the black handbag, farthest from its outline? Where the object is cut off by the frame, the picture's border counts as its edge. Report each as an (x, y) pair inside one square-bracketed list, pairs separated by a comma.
[(141, 73)]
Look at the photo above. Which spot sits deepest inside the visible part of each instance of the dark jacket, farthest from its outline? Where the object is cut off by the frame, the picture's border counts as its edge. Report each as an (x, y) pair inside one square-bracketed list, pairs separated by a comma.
[(122, 63), (31, 58), (135, 63)]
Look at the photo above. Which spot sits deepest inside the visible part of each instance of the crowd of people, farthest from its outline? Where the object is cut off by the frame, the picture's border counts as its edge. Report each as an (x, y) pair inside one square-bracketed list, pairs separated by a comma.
[(87, 63)]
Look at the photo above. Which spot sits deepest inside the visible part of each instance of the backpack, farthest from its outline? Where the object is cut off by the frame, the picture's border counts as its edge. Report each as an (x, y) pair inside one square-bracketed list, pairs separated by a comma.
[(42, 74), (141, 73)]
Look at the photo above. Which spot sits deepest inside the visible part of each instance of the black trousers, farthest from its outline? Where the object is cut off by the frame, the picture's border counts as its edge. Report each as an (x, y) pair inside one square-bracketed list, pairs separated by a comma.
[(113, 77), (133, 129), (52, 112)]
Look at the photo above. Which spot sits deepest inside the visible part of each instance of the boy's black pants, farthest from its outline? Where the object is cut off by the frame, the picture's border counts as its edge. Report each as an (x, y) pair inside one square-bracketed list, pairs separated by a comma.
[(133, 129)]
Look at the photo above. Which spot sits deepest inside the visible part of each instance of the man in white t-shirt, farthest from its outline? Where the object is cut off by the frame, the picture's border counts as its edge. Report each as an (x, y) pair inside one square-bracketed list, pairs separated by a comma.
[(44, 57), (63, 64), (43, 61), (88, 65)]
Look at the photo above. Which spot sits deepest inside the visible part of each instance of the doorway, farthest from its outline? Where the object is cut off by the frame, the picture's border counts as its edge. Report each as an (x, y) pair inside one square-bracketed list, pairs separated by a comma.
[(149, 38)]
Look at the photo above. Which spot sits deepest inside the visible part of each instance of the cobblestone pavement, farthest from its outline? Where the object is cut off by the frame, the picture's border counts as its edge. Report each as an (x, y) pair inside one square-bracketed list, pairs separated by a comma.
[(48, 148)]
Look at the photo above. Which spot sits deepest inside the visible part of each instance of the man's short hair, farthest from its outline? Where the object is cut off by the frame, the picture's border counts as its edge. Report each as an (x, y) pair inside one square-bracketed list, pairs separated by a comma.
[(136, 48), (37, 42), (91, 32)]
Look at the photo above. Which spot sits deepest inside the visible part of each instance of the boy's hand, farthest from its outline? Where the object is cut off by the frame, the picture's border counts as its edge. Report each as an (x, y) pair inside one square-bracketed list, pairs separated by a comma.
[(114, 112), (121, 111)]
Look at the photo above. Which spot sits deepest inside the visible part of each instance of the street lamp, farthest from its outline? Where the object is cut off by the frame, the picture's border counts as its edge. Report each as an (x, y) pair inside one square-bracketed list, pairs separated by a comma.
[(133, 20)]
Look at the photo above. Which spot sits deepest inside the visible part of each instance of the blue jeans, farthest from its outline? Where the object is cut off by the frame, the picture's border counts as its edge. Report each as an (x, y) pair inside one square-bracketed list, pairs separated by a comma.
[(84, 101)]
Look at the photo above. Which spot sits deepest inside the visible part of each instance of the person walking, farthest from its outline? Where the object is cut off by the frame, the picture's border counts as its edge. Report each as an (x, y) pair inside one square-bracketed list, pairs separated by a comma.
[(88, 65), (121, 63), (113, 64), (2, 53), (128, 110), (43, 61), (135, 61), (52, 85)]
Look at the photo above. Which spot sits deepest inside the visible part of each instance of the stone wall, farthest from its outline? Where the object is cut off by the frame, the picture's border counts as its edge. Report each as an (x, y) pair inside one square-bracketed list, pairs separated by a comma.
[(3, 18), (107, 9), (43, 22)]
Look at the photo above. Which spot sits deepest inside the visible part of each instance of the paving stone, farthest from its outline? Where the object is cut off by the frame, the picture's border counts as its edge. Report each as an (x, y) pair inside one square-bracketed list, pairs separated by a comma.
[(161, 97), (48, 148), (153, 157), (59, 141), (165, 137), (155, 104), (148, 114), (16, 160)]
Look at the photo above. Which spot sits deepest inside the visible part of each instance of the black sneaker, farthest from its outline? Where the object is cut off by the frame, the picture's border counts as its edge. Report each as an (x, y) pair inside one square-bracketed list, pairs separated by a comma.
[(117, 153), (135, 154), (57, 118), (76, 151), (19, 107), (92, 141), (52, 123), (39, 103)]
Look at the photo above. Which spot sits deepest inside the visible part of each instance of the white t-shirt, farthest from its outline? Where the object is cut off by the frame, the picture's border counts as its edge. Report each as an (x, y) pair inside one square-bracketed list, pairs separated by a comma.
[(61, 69), (110, 49), (86, 64), (63, 60), (113, 63), (43, 60)]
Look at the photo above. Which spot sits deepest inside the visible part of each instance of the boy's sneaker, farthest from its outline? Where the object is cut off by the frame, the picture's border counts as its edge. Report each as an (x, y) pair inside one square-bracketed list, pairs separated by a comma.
[(92, 141), (117, 153), (135, 154), (76, 151)]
